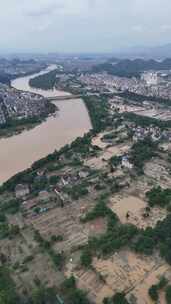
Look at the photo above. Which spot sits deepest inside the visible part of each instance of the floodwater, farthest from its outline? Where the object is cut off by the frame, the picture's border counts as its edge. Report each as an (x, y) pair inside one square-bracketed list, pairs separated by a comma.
[(20, 151)]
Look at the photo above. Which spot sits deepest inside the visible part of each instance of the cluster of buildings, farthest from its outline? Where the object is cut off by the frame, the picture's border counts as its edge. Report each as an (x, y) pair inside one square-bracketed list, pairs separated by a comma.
[(54, 194), (146, 108), (151, 78), (97, 81), (71, 179), (150, 83), (155, 133), (17, 67), (18, 105)]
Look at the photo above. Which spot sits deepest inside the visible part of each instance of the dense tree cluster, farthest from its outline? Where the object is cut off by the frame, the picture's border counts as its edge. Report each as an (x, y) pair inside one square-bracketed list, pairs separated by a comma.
[(41, 295), (72, 294), (116, 235), (115, 238), (118, 298), (153, 293), (154, 289), (98, 111), (86, 257), (8, 293), (11, 206), (76, 191), (115, 160), (100, 210), (8, 231), (155, 238), (45, 81), (168, 294), (5, 78), (142, 151), (158, 196)]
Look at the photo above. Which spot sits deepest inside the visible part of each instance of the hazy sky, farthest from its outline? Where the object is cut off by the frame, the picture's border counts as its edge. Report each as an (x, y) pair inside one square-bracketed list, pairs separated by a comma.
[(83, 25)]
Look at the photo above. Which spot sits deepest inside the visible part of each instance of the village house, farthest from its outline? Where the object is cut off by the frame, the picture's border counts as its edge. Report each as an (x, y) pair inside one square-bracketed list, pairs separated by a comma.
[(125, 162), (83, 174), (44, 196), (21, 190)]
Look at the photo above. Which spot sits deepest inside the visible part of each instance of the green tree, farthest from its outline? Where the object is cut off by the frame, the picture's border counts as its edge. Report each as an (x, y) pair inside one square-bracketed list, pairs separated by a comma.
[(54, 179), (38, 295), (119, 298), (72, 293), (168, 294), (153, 292), (162, 283), (8, 293), (86, 258)]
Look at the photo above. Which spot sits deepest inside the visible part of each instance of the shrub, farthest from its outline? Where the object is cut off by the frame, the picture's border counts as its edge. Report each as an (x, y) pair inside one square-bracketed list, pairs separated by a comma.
[(86, 258), (168, 294), (153, 292)]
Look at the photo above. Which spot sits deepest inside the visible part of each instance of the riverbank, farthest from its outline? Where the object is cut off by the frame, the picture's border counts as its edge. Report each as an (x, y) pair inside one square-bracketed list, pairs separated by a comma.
[(98, 111), (71, 121), (25, 113), (90, 207), (49, 81), (15, 127)]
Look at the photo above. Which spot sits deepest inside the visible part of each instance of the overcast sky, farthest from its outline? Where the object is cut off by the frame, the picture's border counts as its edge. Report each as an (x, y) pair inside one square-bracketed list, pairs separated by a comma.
[(83, 25)]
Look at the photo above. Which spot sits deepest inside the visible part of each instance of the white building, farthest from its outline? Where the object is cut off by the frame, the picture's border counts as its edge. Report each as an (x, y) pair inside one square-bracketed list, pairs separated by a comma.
[(151, 78), (125, 163)]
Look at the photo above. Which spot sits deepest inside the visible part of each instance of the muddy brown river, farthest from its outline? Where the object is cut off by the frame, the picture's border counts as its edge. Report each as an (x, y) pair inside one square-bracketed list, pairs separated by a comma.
[(20, 151)]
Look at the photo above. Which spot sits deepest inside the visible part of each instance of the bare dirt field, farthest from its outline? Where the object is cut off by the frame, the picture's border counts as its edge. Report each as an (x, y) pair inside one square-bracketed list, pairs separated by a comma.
[(124, 271), (140, 185), (96, 162), (28, 263), (158, 170), (100, 162), (41, 268), (90, 281), (140, 292), (96, 227), (135, 207), (66, 222), (131, 273), (96, 141)]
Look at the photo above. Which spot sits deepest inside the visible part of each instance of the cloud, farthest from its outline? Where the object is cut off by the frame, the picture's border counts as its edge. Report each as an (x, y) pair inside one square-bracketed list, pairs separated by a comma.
[(43, 8), (138, 28), (166, 27), (65, 7), (42, 27), (83, 25)]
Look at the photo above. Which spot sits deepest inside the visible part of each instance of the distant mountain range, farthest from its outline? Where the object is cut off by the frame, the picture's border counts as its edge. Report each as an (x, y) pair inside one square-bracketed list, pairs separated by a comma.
[(130, 68), (157, 52), (5, 78)]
